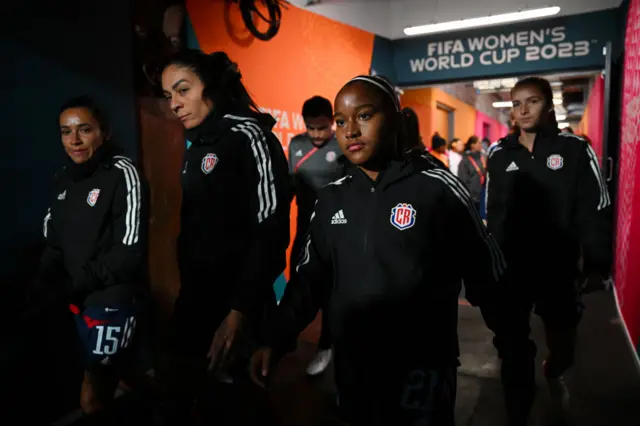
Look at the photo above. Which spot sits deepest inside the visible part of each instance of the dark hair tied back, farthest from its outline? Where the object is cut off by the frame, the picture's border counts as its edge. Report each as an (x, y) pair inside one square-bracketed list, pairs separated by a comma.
[(221, 78), (550, 124)]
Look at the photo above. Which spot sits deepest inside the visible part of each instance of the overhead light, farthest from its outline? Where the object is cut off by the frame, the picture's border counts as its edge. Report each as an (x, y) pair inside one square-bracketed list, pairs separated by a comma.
[(499, 84), (563, 125), (561, 117), (509, 104), (482, 21)]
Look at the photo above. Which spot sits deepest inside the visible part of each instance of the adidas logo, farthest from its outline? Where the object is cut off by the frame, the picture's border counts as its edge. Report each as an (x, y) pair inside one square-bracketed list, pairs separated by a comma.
[(338, 218), (512, 167), (298, 153)]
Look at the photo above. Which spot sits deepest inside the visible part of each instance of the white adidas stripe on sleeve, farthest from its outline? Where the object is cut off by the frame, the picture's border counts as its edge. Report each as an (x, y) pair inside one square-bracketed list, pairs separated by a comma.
[(45, 226), (267, 200), (604, 200), (134, 199)]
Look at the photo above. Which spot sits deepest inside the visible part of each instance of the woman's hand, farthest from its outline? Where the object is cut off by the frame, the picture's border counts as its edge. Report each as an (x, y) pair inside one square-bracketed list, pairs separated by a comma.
[(224, 339), (260, 365)]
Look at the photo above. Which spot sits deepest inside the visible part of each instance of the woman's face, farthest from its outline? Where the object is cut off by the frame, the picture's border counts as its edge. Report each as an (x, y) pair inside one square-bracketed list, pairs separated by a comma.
[(476, 147), (529, 108), (184, 91), (81, 134), (362, 124), (458, 146)]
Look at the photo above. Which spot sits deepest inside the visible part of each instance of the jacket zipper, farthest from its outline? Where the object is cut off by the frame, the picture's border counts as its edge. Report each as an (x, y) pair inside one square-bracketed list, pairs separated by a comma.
[(369, 216)]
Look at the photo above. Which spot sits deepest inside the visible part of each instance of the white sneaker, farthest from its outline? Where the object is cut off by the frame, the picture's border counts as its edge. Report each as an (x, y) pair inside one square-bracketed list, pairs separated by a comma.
[(224, 377), (319, 363)]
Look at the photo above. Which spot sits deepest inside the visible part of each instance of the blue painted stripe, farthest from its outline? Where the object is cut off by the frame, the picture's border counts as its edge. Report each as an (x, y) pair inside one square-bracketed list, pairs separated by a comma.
[(279, 286)]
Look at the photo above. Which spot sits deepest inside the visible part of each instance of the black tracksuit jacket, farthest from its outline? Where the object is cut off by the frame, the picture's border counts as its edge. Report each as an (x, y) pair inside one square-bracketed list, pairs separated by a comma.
[(381, 253), (96, 231), (545, 206), (235, 212)]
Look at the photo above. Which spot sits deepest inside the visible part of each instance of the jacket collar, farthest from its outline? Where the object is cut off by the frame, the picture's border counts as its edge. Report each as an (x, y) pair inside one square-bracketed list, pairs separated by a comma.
[(101, 157), (394, 171), (542, 138), (214, 127)]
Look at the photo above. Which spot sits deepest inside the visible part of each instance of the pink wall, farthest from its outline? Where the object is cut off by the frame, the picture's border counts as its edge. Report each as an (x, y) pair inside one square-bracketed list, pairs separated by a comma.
[(627, 249), (595, 117), (496, 129)]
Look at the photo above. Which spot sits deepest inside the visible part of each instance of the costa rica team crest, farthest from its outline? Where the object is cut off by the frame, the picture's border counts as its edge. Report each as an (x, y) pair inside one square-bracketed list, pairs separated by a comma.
[(92, 198), (209, 163), (403, 216), (555, 162)]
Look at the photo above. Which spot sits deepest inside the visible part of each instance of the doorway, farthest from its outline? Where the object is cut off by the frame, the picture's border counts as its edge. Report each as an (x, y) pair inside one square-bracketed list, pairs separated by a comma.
[(443, 122)]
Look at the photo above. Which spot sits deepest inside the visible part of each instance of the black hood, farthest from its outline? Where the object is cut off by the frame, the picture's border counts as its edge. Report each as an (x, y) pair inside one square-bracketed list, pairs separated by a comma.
[(213, 127)]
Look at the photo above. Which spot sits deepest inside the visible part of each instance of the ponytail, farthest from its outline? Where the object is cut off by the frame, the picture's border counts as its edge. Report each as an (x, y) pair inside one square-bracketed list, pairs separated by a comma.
[(551, 126), (410, 135), (221, 78)]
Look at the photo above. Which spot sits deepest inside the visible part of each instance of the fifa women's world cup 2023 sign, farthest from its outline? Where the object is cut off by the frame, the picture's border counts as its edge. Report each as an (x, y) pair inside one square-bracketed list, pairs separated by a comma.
[(526, 48)]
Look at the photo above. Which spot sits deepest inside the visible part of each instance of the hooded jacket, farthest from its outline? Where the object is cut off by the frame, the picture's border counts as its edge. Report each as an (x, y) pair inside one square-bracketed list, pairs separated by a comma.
[(546, 206), (379, 253), (96, 230), (235, 210)]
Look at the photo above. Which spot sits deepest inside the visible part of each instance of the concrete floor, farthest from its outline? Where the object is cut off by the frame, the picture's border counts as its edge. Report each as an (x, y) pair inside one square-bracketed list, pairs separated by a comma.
[(605, 382)]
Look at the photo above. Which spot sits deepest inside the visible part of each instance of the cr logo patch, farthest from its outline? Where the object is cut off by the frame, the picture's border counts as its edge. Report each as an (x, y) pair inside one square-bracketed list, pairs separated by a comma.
[(209, 163), (92, 198), (555, 162), (403, 216)]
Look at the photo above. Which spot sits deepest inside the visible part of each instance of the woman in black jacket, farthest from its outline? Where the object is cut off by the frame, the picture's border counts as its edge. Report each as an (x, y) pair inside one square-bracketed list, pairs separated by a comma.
[(377, 252), (96, 242), (472, 170), (234, 219), (550, 211)]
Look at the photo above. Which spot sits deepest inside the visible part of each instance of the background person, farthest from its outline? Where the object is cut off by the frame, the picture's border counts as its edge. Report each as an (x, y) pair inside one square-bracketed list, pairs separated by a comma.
[(313, 163), (550, 211)]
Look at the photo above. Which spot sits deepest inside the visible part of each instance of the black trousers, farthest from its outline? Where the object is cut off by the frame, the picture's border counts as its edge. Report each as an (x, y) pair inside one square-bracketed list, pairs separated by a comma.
[(559, 308), (390, 392), (297, 250), (194, 322)]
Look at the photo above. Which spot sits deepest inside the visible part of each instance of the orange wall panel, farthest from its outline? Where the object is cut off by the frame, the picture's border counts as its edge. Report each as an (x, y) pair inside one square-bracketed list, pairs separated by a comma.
[(441, 122), (464, 114), (310, 55), (425, 102)]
